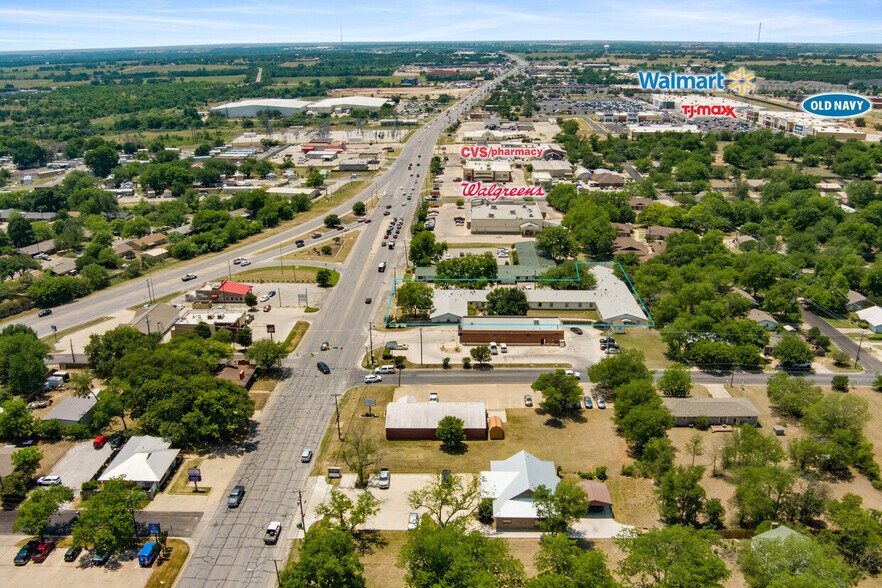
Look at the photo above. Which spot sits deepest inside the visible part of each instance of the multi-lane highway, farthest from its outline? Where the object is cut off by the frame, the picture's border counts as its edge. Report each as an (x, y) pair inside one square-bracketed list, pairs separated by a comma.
[(230, 551)]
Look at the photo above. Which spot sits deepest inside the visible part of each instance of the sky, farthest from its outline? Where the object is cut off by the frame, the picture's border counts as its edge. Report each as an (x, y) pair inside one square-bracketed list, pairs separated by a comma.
[(78, 24)]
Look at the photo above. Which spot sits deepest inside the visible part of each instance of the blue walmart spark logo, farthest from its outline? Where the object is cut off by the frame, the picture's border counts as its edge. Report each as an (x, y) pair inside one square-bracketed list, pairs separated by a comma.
[(740, 81)]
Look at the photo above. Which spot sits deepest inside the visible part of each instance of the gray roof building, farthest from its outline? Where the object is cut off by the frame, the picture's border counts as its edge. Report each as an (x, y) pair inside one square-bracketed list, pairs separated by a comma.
[(511, 482), (159, 318), (408, 419), (144, 460), (73, 410), (718, 411)]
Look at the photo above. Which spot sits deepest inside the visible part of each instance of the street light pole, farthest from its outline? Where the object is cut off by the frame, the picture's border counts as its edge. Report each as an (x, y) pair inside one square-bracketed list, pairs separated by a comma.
[(860, 345), (302, 516), (421, 346), (337, 409), (229, 270), (371, 336)]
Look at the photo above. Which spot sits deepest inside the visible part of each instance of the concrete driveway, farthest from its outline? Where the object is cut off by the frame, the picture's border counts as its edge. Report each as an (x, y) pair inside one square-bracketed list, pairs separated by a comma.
[(393, 502), (79, 464)]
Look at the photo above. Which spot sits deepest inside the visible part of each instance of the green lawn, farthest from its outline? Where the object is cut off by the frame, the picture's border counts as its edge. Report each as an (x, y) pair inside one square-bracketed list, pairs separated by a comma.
[(166, 572), (181, 485), (296, 334), (286, 274), (648, 341)]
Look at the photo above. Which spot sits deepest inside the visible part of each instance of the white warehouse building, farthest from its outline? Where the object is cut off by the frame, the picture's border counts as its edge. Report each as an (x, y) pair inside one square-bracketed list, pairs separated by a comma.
[(250, 108)]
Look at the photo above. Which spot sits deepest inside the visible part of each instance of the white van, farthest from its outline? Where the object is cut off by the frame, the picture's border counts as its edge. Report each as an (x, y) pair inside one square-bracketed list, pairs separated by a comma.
[(494, 350), (385, 369), (503, 348)]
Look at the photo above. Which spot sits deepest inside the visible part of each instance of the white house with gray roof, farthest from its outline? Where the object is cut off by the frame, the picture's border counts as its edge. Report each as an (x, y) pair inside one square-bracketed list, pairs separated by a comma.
[(511, 483), (717, 411)]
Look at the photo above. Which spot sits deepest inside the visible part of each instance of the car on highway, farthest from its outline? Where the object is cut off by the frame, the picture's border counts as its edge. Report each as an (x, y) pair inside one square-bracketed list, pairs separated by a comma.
[(238, 260), (49, 481), (601, 403), (188, 277), (796, 365), (528, 400), (372, 378), (26, 552), (72, 553), (368, 300), (306, 456), (299, 243), (413, 521), (267, 307), (387, 213), (234, 499), (43, 551), (576, 330), (245, 262), (44, 312), (325, 346), (323, 367)]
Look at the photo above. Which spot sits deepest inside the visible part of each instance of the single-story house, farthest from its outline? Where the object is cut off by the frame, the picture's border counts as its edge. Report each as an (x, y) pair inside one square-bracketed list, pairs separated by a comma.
[(155, 254), (623, 229), (124, 249), (763, 319), (73, 410), (856, 301), (873, 317), (240, 213), (656, 233), (630, 245), (146, 461), (510, 483), (158, 318), (608, 180), (64, 266), (47, 246), (717, 411), (744, 242), (149, 241), (639, 203), (412, 420)]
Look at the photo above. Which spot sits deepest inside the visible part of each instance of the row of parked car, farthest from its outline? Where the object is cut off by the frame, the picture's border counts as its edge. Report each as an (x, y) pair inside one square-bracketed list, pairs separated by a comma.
[(38, 551)]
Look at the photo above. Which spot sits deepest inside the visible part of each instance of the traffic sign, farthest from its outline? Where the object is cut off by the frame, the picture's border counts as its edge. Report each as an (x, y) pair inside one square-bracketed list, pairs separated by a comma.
[(271, 328), (194, 475), (370, 402), (153, 528)]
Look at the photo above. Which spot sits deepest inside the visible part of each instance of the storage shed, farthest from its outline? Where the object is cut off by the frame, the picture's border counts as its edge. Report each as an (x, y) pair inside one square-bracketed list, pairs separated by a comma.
[(494, 428)]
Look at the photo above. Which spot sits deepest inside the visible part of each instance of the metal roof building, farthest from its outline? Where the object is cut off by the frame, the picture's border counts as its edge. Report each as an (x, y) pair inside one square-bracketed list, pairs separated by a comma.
[(73, 410), (511, 483), (144, 460), (718, 411), (250, 108), (408, 419)]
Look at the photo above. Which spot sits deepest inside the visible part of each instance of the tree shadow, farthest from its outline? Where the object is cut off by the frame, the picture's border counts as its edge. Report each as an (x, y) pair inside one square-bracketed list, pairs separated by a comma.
[(554, 422), (367, 540), (461, 449), (486, 367)]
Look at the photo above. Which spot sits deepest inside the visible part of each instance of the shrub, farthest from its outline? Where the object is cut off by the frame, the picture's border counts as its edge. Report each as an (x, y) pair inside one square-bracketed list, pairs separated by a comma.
[(77, 432), (600, 472), (50, 430), (840, 358), (701, 423), (387, 353), (445, 363), (466, 363), (326, 250), (629, 470), (586, 475), (89, 486), (840, 383), (485, 511)]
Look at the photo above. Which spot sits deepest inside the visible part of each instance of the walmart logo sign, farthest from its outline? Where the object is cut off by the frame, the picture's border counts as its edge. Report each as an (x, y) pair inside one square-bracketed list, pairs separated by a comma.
[(739, 81)]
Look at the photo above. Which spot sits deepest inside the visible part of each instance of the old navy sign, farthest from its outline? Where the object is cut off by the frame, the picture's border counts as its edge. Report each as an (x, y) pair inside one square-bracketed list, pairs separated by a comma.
[(836, 105)]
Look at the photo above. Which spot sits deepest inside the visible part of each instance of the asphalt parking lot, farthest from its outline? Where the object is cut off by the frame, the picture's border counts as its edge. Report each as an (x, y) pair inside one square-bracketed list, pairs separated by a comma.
[(566, 106), (80, 463)]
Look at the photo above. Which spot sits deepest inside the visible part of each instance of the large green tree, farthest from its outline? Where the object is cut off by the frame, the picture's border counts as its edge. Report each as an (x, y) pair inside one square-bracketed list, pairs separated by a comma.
[(451, 433), (557, 241), (344, 513), (563, 564), (792, 349), (267, 353), (680, 495), (414, 297), (360, 452), (424, 249), (107, 519), (507, 302), (101, 160), (795, 561), (672, 557), (613, 371), (327, 558), (559, 508), (35, 513), (559, 391), (447, 501), (676, 381)]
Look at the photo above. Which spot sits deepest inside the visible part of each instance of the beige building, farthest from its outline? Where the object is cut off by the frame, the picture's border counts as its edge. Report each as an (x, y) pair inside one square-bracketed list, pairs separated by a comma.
[(486, 171), (216, 319), (523, 218)]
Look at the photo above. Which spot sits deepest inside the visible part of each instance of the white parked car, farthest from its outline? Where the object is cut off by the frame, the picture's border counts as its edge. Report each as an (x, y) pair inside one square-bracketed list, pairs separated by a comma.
[(372, 378), (264, 298), (433, 397), (574, 373), (49, 481)]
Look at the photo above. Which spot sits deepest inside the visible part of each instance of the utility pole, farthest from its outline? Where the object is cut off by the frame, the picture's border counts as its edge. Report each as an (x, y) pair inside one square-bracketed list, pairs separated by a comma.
[(229, 270), (281, 265), (860, 345), (148, 325), (72, 359), (371, 335), (337, 409), (278, 576), (302, 516), (421, 346), (732, 378)]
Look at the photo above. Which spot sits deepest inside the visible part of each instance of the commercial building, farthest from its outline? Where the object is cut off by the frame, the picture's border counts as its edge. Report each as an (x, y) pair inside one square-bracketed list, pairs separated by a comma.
[(216, 319), (637, 130), (146, 461), (488, 136), (556, 168), (802, 124), (513, 219), (251, 108), (486, 171), (717, 411), (511, 330), (222, 292), (158, 318), (611, 298), (73, 411), (511, 483), (408, 419), (347, 103)]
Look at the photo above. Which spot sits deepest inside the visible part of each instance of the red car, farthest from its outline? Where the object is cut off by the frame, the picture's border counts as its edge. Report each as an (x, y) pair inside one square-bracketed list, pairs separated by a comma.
[(43, 550), (267, 308), (100, 441)]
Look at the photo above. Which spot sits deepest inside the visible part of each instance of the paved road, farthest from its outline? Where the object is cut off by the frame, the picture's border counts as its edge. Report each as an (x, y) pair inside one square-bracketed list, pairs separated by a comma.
[(596, 126), (843, 342), (178, 524), (231, 550)]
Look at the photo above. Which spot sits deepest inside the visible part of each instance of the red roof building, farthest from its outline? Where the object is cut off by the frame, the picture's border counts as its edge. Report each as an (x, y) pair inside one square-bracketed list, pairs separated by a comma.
[(225, 292)]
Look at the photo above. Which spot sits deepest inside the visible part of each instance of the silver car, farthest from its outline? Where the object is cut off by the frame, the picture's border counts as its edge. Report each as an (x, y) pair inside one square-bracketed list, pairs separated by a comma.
[(413, 521)]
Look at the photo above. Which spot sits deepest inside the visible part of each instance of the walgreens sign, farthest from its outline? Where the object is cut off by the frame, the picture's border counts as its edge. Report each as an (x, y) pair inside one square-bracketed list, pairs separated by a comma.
[(494, 192), (487, 152)]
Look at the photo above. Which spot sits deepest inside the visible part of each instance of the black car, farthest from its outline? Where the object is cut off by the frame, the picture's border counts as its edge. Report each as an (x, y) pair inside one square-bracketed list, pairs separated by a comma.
[(45, 312), (368, 300), (72, 553), (576, 330), (117, 442), (26, 552), (323, 367), (236, 496), (100, 558)]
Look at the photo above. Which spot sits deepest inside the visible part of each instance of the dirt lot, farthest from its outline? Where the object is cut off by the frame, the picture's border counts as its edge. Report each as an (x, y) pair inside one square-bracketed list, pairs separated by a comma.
[(575, 445)]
